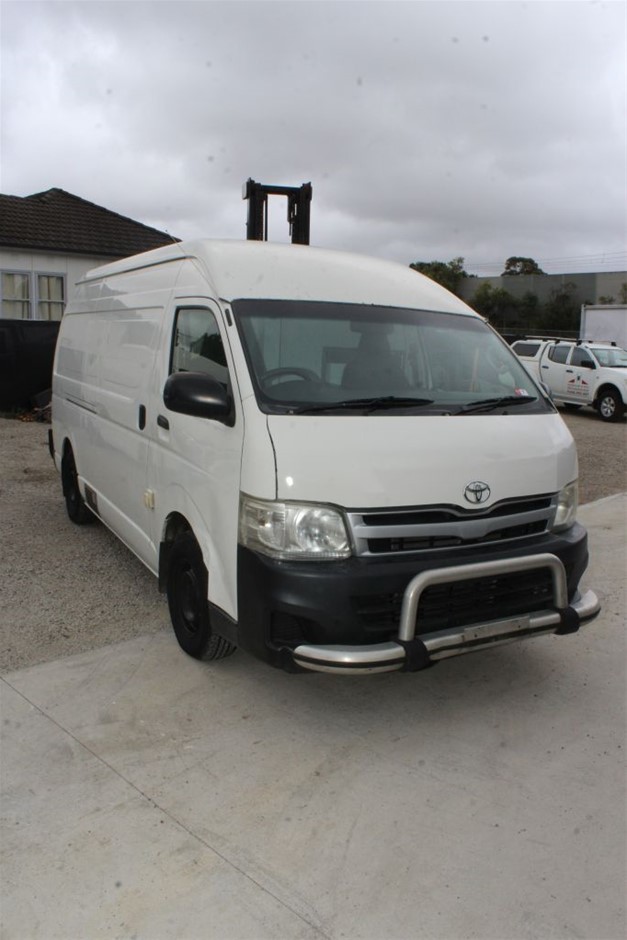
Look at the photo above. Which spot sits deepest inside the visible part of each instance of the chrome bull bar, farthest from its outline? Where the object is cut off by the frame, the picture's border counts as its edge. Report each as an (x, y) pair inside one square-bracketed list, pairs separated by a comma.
[(411, 651)]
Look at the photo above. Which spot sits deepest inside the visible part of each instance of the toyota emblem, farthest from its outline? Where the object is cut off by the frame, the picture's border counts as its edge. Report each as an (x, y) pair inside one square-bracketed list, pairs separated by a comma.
[(477, 492)]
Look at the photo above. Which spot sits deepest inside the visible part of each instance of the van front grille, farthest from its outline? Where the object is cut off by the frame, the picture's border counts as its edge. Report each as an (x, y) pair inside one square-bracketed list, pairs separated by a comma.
[(418, 544), (457, 603), (439, 527)]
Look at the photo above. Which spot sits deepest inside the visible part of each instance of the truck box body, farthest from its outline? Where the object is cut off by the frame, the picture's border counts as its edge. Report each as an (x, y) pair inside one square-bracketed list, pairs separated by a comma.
[(340, 458), (605, 323)]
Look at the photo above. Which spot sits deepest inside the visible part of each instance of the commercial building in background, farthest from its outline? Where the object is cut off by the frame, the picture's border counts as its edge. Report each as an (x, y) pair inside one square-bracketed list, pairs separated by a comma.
[(584, 288)]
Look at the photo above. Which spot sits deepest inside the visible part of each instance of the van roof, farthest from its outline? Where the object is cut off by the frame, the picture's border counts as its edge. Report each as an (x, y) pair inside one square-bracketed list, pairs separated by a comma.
[(256, 270)]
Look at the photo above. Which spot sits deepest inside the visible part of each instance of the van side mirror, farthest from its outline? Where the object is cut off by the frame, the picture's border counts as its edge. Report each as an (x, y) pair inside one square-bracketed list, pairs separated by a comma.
[(197, 395), (586, 364)]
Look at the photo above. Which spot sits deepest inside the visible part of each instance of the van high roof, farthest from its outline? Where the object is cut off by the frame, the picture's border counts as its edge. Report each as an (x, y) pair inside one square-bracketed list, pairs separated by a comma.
[(256, 270)]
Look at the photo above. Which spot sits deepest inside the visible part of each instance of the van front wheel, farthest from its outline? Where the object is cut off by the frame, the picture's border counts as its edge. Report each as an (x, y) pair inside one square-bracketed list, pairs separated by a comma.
[(187, 599)]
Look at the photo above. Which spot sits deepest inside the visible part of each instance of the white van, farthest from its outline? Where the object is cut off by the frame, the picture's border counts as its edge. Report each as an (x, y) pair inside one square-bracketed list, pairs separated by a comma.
[(327, 460)]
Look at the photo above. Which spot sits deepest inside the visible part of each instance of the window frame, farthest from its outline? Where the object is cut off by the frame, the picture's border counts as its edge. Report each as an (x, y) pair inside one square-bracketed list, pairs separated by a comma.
[(177, 311), (518, 348), (230, 420), (34, 299), (559, 347), (38, 301), (581, 351)]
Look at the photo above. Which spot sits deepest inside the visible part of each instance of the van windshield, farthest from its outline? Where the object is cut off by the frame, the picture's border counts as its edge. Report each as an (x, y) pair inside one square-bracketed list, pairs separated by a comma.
[(327, 358)]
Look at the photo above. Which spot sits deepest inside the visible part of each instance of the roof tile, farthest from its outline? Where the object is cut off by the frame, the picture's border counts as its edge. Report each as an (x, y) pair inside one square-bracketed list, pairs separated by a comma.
[(58, 221)]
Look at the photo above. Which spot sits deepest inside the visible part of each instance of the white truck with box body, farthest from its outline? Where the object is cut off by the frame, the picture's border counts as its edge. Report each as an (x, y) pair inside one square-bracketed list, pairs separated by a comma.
[(327, 460)]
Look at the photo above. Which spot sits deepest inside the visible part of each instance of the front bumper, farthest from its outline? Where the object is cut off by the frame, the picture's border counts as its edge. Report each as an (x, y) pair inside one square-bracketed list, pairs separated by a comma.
[(412, 652), (358, 614)]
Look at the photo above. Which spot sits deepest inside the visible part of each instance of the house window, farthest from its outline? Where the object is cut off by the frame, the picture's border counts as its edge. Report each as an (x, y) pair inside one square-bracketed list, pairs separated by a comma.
[(27, 296), (15, 296), (50, 300)]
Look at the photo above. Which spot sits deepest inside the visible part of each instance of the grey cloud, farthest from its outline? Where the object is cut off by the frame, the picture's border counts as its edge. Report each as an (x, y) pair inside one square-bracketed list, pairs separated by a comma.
[(427, 129)]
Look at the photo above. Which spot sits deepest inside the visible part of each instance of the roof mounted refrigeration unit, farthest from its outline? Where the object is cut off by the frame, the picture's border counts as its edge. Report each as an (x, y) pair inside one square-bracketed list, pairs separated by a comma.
[(298, 210)]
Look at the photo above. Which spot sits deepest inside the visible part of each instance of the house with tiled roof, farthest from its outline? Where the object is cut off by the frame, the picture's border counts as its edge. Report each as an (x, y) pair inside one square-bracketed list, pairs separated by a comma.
[(51, 239)]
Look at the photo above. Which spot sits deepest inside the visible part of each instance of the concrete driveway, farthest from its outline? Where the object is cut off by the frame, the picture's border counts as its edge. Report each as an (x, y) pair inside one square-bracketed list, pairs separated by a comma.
[(147, 795)]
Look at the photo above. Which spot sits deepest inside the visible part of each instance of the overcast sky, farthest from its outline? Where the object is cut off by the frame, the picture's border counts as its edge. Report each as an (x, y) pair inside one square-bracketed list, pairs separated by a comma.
[(429, 130)]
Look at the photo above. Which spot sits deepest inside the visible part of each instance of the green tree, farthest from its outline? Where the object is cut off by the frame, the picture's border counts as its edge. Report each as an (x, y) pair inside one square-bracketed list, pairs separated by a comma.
[(562, 312), (449, 274), (529, 311), (496, 304), (517, 265)]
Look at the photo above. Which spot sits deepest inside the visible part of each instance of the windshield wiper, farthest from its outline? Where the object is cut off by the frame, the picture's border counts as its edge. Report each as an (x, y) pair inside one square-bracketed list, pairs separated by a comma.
[(370, 404), (491, 404)]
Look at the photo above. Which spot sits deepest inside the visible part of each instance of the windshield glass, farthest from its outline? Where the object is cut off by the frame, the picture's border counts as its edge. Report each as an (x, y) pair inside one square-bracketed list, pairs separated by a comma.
[(612, 356), (329, 357)]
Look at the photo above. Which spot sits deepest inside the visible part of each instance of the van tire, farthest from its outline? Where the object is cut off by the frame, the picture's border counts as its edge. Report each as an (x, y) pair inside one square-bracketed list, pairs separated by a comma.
[(77, 509), (609, 404), (186, 587)]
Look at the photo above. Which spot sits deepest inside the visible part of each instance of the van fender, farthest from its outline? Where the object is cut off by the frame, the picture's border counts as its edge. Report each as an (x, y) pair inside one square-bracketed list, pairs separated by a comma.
[(179, 514), (64, 441)]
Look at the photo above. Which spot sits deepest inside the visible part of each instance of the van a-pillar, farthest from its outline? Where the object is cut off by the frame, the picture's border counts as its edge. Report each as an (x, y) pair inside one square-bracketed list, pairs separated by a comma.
[(298, 210)]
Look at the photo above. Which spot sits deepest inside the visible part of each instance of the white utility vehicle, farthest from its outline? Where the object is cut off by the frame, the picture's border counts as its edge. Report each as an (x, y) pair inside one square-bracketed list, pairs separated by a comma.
[(579, 372), (327, 460)]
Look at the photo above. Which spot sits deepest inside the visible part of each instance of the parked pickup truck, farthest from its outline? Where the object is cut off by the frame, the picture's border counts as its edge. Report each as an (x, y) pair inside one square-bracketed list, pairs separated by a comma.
[(579, 372)]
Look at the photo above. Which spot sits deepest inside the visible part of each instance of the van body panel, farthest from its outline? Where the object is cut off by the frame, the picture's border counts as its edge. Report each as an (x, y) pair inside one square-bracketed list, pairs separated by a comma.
[(263, 270), (236, 269), (412, 460), (108, 349), (258, 476)]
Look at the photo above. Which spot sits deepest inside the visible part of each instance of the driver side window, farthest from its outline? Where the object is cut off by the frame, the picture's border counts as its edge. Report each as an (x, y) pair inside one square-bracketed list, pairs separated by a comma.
[(197, 345)]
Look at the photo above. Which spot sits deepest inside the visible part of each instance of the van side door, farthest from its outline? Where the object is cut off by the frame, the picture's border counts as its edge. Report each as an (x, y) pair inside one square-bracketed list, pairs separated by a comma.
[(194, 463)]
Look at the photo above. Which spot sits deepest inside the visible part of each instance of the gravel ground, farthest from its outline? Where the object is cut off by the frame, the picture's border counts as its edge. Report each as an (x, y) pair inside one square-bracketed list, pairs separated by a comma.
[(67, 589)]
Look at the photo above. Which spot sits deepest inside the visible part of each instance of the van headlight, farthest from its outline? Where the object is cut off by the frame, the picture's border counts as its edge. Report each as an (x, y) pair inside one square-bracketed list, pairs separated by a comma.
[(566, 511), (292, 531)]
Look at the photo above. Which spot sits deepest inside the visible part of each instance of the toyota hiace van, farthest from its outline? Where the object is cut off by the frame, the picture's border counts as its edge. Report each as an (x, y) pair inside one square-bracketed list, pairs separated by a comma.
[(327, 460)]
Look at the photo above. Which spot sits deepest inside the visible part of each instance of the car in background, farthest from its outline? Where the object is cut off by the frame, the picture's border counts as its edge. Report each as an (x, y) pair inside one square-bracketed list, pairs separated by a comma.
[(578, 372)]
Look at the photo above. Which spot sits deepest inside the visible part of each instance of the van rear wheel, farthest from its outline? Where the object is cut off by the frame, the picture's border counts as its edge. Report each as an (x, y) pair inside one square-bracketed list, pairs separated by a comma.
[(187, 583), (77, 508)]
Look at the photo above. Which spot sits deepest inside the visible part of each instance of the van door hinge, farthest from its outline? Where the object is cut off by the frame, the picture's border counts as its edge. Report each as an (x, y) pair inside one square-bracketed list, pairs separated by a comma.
[(149, 499)]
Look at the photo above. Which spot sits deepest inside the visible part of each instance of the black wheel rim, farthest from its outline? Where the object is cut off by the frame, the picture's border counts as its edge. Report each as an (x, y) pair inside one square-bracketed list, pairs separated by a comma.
[(187, 599), (71, 487)]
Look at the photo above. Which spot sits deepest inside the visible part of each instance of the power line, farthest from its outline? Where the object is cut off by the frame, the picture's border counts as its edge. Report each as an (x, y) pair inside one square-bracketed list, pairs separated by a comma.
[(613, 260)]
